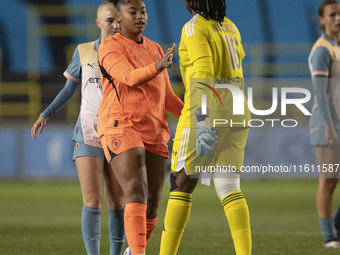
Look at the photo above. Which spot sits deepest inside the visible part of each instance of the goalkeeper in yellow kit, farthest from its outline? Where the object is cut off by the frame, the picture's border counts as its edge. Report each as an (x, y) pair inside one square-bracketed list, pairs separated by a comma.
[(211, 56)]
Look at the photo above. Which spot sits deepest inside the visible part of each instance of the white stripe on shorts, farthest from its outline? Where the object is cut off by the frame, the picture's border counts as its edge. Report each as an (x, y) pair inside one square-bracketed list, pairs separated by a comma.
[(183, 150), (183, 147)]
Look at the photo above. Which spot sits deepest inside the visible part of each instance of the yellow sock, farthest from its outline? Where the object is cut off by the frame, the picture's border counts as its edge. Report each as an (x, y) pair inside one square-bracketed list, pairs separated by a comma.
[(176, 218), (236, 210)]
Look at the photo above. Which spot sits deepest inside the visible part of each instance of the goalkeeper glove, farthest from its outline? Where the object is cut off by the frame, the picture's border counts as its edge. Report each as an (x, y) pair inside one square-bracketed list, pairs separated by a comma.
[(206, 137)]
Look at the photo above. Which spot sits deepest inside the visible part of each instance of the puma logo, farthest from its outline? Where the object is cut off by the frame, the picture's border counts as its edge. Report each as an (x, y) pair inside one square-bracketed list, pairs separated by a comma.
[(90, 65)]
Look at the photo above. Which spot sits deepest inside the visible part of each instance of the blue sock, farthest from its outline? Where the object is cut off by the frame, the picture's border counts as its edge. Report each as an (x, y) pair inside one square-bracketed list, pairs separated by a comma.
[(337, 219), (328, 229), (116, 231), (90, 225)]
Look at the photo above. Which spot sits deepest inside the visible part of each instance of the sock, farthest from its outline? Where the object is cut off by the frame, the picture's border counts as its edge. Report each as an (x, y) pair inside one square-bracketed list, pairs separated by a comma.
[(116, 231), (337, 219), (236, 210), (176, 218), (328, 229), (150, 226), (90, 225), (135, 227)]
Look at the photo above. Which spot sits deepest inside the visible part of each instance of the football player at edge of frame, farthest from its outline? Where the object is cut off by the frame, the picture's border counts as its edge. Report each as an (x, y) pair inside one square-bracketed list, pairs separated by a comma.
[(324, 125), (88, 153)]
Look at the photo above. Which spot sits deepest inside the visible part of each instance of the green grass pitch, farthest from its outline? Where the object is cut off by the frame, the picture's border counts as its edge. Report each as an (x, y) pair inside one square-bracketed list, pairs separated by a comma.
[(44, 218)]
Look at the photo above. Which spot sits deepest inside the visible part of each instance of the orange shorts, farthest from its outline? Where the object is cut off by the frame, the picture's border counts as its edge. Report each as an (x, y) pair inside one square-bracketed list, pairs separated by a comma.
[(113, 145)]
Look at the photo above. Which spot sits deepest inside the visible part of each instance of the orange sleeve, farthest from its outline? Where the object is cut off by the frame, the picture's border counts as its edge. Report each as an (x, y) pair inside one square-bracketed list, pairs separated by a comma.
[(172, 102), (117, 65)]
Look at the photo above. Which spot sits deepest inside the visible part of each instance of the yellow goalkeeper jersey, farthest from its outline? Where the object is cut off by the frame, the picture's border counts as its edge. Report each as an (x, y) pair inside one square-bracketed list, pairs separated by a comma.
[(211, 53)]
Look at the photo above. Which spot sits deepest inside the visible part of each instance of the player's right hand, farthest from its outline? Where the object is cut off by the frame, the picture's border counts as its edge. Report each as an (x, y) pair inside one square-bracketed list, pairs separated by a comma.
[(206, 137), (39, 124)]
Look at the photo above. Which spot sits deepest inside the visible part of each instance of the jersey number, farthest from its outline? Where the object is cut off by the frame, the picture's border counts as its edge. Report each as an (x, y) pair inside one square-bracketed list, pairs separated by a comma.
[(234, 55)]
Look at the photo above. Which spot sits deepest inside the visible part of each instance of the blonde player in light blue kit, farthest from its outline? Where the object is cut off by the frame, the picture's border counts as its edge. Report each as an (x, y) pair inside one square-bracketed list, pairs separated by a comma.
[(324, 64), (88, 153)]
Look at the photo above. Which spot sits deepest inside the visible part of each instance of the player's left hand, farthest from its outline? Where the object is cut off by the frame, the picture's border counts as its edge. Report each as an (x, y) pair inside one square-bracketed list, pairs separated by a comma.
[(166, 61), (331, 135)]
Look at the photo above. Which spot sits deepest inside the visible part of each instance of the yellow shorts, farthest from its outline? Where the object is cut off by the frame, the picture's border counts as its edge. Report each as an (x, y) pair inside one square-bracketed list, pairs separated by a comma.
[(113, 145), (227, 154)]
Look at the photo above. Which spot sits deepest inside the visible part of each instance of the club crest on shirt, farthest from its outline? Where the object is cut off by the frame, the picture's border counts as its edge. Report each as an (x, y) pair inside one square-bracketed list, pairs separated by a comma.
[(77, 147), (115, 143), (134, 57)]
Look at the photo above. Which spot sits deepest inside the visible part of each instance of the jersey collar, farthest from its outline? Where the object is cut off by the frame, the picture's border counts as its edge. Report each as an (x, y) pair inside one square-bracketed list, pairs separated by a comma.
[(329, 39), (119, 36), (96, 44)]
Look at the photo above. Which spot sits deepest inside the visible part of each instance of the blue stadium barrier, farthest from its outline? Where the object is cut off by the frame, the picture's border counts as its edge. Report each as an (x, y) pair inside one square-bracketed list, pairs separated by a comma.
[(50, 155)]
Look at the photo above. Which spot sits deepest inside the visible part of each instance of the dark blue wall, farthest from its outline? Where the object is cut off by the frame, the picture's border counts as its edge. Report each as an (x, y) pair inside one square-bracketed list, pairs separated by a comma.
[(258, 21)]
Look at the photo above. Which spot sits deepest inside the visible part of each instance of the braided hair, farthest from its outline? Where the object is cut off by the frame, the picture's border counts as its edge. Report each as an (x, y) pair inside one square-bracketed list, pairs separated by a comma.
[(209, 9), (322, 7), (118, 3)]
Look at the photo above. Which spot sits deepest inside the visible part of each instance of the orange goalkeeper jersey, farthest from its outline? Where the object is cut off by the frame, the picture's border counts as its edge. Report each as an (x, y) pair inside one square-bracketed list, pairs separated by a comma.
[(143, 93)]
